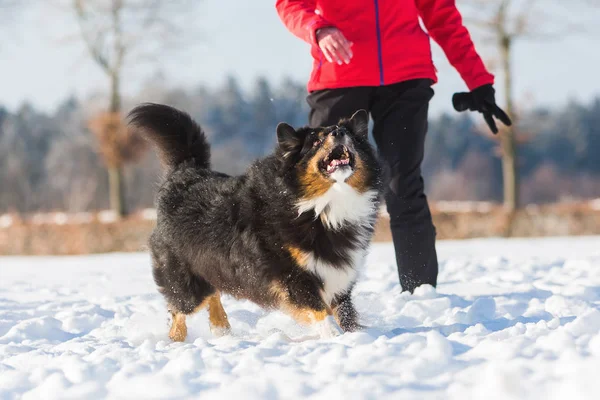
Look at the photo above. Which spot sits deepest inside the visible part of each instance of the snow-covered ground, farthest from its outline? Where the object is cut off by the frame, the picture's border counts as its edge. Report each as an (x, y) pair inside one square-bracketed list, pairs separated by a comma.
[(510, 319)]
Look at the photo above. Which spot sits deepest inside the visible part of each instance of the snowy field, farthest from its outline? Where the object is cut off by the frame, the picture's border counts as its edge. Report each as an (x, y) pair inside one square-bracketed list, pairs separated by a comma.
[(510, 319)]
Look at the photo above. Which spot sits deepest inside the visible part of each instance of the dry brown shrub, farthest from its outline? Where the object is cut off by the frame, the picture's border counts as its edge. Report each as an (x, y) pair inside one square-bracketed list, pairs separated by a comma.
[(96, 235), (116, 144)]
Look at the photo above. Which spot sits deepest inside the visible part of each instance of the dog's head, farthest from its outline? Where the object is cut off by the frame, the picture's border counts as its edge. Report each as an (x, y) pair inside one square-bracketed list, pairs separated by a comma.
[(319, 158)]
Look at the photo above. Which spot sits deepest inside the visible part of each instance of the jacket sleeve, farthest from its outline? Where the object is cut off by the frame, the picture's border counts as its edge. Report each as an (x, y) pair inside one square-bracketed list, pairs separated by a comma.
[(300, 18), (444, 24)]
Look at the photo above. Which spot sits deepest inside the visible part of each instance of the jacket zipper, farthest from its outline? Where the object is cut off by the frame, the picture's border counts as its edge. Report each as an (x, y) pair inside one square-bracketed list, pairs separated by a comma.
[(379, 42)]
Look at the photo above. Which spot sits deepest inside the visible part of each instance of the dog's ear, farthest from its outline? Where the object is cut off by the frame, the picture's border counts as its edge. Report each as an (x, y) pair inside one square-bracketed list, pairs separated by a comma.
[(287, 138), (359, 121)]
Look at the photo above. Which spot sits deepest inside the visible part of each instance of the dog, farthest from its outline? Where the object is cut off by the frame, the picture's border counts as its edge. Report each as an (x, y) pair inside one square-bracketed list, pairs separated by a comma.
[(289, 234)]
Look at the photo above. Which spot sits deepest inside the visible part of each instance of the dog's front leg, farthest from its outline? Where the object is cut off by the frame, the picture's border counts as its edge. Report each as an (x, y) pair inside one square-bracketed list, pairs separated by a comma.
[(345, 313), (328, 328), (301, 299)]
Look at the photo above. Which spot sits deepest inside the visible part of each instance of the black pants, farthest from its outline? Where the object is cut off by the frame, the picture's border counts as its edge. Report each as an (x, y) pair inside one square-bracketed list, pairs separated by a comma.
[(399, 114)]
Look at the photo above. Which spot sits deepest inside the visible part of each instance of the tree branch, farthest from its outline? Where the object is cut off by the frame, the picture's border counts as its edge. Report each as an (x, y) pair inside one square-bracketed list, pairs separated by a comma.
[(497, 18), (95, 45)]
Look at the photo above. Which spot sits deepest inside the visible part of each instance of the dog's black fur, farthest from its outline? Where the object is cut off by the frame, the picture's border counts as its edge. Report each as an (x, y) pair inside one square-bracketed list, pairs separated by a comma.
[(244, 235)]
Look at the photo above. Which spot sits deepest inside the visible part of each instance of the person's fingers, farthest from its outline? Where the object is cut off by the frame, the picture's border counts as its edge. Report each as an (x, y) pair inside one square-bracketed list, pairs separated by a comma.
[(343, 46), (333, 53), (501, 115), (335, 49), (338, 47), (345, 53), (326, 52), (347, 45), (490, 121)]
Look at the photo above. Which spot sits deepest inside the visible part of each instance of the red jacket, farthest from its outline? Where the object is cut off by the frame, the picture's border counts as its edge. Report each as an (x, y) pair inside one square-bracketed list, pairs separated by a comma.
[(389, 44)]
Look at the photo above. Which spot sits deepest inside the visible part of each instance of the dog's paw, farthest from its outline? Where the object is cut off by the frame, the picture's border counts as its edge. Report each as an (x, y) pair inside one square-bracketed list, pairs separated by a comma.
[(178, 331), (353, 327), (220, 331), (177, 334), (328, 328)]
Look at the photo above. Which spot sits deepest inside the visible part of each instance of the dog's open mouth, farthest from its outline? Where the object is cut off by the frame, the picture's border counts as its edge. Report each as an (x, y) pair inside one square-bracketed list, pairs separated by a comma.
[(339, 157)]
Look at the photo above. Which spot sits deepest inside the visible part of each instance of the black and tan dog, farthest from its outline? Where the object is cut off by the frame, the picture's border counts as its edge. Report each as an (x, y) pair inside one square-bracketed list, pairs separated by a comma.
[(289, 234)]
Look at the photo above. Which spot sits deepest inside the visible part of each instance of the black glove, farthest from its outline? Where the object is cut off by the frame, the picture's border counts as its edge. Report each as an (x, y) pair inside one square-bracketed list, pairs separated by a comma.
[(482, 99)]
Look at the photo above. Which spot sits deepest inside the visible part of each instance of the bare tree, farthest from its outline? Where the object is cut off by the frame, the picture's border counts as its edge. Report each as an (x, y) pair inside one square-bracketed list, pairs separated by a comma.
[(504, 22), (118, 33)]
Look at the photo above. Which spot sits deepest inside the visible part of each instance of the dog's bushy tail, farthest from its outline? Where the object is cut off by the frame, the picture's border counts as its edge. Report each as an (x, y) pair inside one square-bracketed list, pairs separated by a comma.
[(174, 133)]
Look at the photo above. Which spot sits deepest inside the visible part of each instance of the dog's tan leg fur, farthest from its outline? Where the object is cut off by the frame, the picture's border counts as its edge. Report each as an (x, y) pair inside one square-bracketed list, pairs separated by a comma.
[(315, 318), (178, 330), (302, 315), (219, 324)]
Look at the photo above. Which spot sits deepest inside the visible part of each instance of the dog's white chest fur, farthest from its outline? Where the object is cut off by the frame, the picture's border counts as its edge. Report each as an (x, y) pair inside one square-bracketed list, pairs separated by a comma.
[(342, 204), (339, 206), (336, 279)]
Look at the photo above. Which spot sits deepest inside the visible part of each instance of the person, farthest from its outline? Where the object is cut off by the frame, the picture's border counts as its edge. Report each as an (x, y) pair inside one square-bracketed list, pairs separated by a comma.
[(374, 55)]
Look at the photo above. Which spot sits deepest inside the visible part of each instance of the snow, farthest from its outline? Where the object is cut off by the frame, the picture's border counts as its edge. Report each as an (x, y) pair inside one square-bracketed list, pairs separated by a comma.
[(464, 206), (6, 220), (107, 216), (58, 218), (510, 319), (149, 214)]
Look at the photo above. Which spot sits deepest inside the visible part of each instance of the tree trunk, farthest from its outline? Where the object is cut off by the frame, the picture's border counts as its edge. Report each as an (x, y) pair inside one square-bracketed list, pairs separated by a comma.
[(509, 148), (115, 93), (116, 191), (116, 178)]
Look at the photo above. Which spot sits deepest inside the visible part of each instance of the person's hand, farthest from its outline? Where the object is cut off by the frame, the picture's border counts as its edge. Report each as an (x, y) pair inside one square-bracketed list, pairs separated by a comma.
[(483, 100), (334, 45)]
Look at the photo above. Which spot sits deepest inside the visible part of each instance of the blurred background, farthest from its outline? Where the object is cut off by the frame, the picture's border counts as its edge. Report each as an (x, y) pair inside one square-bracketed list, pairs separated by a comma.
[(73, 181)]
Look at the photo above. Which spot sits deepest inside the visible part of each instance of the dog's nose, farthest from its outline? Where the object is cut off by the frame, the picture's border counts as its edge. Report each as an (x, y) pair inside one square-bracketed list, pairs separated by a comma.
[(337, 132)]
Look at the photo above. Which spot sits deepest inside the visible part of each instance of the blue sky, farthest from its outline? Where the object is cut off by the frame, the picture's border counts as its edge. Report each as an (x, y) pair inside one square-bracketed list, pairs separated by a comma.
[(247, 39)]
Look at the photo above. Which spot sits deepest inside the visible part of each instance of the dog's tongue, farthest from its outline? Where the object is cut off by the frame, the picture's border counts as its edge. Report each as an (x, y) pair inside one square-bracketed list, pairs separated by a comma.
[(333, 164)]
